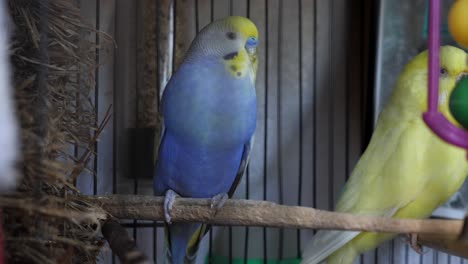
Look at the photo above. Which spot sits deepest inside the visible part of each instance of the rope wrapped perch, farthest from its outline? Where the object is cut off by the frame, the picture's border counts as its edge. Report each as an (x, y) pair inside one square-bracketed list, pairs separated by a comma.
[(449, 236)]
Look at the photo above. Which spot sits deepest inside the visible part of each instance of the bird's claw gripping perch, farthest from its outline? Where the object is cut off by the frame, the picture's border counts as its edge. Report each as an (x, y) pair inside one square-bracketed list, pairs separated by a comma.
[(413, 242), (218, 201), (169, 200)]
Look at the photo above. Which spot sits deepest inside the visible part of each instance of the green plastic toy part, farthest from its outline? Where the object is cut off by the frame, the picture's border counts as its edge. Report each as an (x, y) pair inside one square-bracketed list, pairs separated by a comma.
[(458, 102)]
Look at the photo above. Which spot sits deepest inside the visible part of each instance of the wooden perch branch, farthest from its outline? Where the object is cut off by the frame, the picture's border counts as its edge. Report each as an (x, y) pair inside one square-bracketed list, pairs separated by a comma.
[(441, 234), (268, 214)]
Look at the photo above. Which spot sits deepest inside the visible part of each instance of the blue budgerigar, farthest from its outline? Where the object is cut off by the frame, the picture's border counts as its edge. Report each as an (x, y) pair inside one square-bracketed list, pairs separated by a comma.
[(208, 121)]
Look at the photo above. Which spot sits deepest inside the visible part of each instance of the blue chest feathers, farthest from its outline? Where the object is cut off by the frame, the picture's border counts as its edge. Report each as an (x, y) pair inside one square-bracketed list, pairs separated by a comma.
[(204, 104)]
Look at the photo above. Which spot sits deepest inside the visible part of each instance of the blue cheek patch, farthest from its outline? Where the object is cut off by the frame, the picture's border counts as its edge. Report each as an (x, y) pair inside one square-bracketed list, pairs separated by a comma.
[(251, 42)]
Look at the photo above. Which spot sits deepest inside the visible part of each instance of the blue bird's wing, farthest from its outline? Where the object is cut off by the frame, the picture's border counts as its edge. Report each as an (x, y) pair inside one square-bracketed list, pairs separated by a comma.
[(240, 173), (158, 135), (242, 167)]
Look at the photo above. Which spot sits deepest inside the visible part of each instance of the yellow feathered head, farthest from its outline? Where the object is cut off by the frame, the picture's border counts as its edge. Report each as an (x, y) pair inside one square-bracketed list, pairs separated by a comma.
[(233, 39), (412, 86)]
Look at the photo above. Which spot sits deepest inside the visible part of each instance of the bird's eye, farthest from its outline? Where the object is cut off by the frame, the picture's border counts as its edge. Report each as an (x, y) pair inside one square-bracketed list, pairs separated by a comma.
[(443, 72), (231, 35), (252, 42)]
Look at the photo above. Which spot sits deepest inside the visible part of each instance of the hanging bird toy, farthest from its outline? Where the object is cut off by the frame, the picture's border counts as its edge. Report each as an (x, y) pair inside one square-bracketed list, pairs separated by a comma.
[(458, 100)]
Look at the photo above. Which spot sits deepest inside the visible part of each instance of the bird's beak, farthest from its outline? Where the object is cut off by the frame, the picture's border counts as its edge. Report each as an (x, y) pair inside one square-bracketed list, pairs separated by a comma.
[(251, 51)]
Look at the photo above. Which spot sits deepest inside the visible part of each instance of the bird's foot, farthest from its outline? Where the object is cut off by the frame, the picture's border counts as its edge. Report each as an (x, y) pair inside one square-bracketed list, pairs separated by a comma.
[(169, 200), (218, 201), (412, 239)]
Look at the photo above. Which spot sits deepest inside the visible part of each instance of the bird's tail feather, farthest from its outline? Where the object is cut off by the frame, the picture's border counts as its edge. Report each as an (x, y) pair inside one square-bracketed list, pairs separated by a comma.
[(182, 242), (325, 243), (345, 255)]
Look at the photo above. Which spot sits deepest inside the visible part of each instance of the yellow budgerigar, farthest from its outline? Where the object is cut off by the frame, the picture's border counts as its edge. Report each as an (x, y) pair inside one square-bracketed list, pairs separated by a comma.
[(406, 171)]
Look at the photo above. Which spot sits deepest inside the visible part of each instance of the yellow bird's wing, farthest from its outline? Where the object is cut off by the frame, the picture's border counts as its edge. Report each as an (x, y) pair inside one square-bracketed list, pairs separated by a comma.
[(390, 174)]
